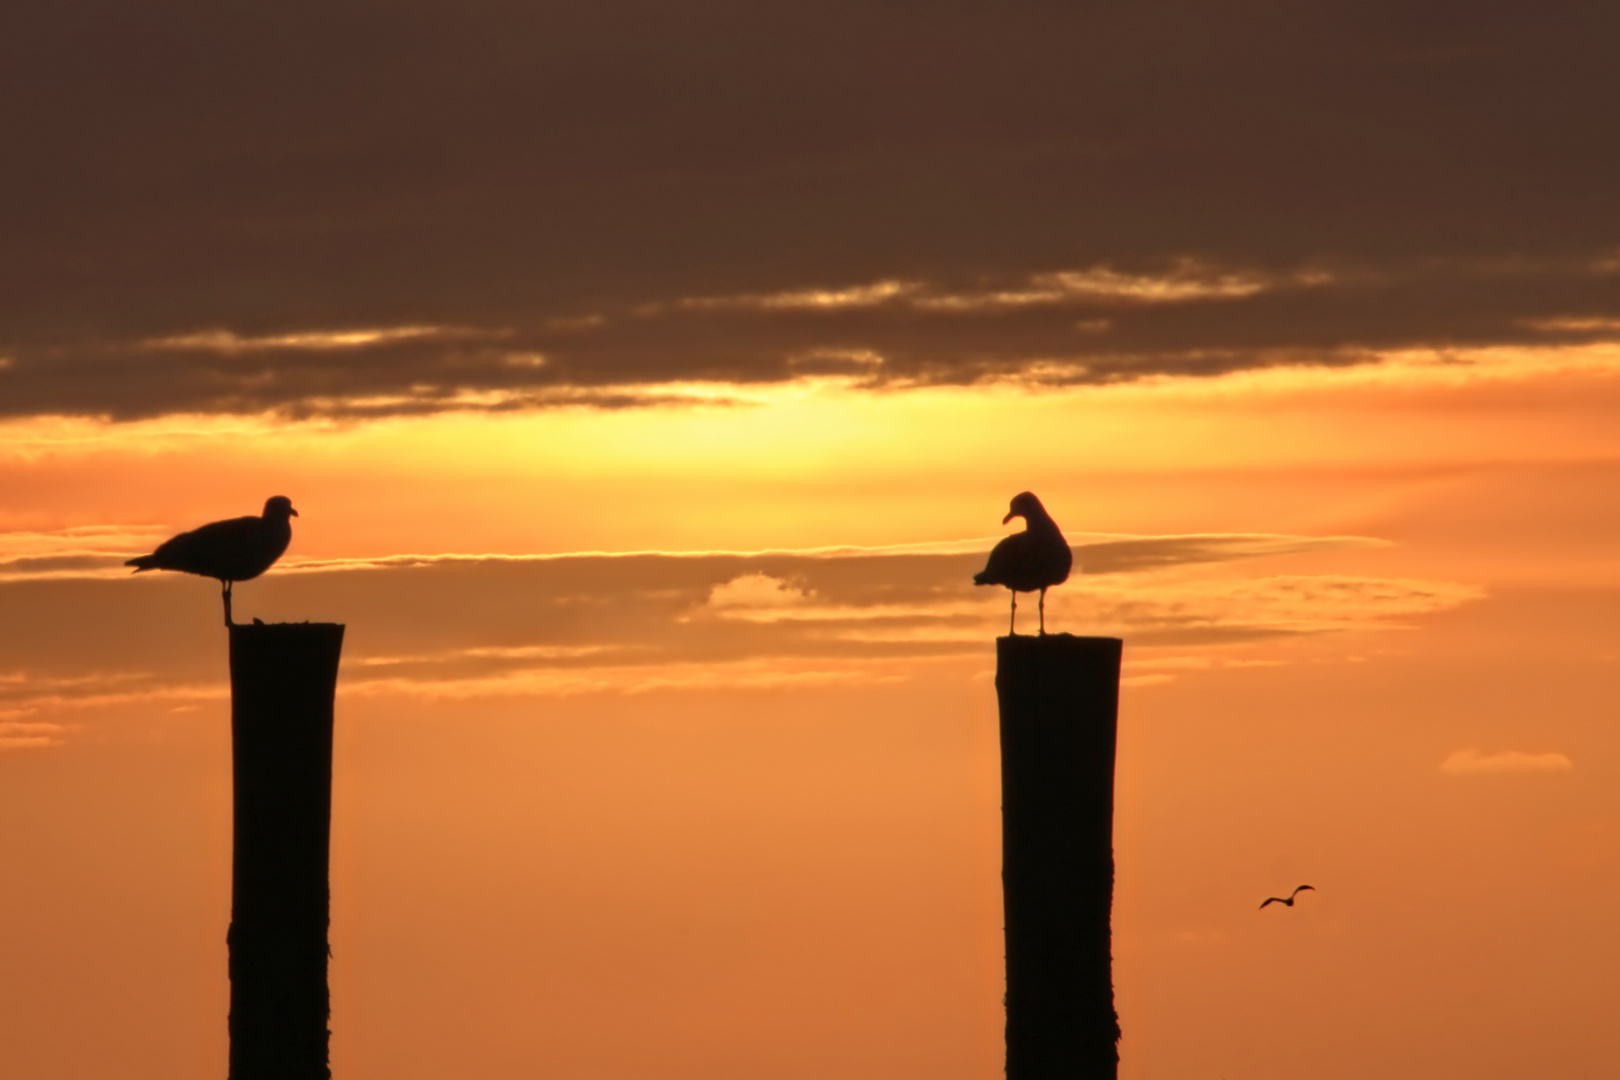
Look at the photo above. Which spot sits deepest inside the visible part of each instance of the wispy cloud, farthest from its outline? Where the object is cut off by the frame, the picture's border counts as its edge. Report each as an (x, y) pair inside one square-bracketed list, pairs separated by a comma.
[(756, 591), (1579, 325), (491, 652), (747, 674), (1472, 762), (67, 566), (82, 538), (98, 552), (79, 552), (26, 694), (1283, 604), (1186, 281), (1130, 554), (1096, 553), (813, 299), (229, 342), (25, 735), (472, 625), (1157, 670)]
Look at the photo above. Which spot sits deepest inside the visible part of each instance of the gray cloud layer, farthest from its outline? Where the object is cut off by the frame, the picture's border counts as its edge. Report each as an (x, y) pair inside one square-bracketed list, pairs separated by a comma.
[(467, 621), (561, 181)]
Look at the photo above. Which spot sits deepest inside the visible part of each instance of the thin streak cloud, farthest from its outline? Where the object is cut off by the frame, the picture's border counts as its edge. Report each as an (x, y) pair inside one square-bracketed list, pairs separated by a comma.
[(99, 552), (851, 296), (1187, 281), (226, 342), (1477, 763)]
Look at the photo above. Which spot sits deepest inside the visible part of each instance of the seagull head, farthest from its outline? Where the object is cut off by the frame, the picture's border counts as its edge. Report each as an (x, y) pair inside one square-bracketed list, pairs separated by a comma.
[(279, 506), (1024, 504)]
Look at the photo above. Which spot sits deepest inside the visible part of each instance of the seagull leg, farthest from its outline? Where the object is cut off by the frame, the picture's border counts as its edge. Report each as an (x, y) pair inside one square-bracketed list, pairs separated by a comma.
[(1043, 612), (225, 591), (1012, 626)]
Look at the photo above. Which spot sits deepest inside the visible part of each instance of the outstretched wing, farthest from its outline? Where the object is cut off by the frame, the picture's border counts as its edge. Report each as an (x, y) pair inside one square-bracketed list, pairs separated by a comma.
[(1301, 889), (1272, 900)]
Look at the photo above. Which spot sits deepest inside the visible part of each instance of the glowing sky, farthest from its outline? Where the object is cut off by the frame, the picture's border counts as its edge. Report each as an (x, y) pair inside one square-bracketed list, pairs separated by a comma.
[(650, 382)]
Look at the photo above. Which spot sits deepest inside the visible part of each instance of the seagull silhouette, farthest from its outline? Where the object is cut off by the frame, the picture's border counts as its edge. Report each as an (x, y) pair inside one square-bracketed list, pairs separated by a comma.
[(1035, 559), (1288, 902), (229, 551)]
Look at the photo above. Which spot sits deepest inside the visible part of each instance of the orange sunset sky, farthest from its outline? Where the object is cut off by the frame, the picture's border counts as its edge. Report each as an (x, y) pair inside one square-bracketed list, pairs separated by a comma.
[(651, 381)]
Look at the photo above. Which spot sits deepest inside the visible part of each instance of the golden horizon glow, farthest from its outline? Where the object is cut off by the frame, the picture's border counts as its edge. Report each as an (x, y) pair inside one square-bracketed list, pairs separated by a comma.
[(1333, 580)]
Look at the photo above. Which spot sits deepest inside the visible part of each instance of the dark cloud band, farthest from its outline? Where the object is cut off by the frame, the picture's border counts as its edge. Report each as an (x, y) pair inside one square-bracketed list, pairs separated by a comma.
[(1094, 327), (528, 205)]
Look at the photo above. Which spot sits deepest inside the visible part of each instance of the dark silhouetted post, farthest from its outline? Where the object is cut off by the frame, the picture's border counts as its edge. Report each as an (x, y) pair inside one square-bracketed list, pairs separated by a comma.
[(1059, 711), (283, 681)]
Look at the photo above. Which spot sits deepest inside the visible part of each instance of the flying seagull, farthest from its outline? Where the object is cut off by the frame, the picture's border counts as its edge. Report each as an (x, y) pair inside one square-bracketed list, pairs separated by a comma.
[(1288, 902), (231, 551), (1035, 559)]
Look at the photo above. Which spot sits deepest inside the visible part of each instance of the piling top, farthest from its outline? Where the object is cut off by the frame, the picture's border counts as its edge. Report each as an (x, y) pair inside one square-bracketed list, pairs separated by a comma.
[(286, 629), (284, 639), (1056, 645), (1035, 661)]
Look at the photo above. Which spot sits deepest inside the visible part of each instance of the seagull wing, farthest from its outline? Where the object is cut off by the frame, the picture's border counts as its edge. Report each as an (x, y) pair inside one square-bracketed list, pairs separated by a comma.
[(234, 550), (1272, 900), (1301, 889), (1005, 565)]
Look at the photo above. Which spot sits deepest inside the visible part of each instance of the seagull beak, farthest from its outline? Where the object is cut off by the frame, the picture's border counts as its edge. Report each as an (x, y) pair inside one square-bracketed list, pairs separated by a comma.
[(291, 511), (1010, 515)]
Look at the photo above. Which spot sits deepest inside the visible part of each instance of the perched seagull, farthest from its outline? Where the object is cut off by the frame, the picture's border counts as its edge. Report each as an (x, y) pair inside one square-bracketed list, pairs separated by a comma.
[(1288, 902), (232, 551), (1035, 559)]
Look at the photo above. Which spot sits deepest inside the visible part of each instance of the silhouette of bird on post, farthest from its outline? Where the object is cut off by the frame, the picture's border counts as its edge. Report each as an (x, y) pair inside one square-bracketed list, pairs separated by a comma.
[(230, 551), (1289, 902), (1030, 561)]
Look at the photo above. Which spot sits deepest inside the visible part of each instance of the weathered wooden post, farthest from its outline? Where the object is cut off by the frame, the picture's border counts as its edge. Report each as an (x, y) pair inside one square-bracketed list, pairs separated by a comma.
[(283, 683), (1059, 699)]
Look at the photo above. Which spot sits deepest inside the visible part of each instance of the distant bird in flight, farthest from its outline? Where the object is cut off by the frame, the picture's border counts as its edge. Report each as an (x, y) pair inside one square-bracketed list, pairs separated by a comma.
[(230, 551), (1288, 902), (1035, 559)]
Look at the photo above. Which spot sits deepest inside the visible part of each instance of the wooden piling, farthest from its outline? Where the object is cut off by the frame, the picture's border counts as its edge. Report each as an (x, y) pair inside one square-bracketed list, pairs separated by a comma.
[(1059, 697), (283, 683)]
